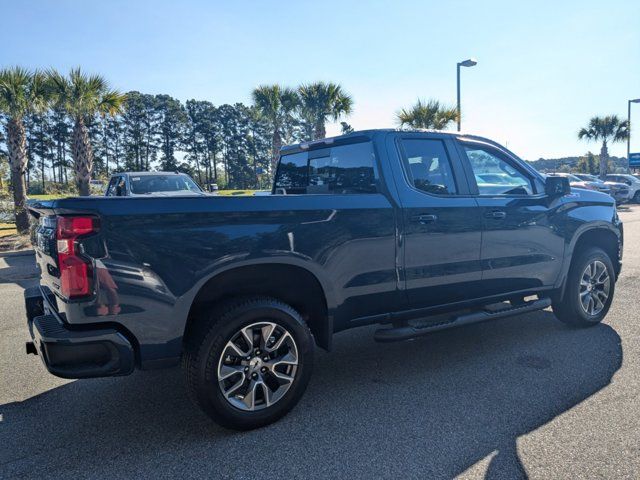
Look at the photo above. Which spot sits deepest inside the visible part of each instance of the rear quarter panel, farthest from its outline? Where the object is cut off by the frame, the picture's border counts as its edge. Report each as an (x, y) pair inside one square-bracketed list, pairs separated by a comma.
[(156, 254)]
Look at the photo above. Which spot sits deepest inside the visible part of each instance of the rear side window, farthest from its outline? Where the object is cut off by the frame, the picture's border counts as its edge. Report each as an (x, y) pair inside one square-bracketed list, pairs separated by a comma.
[(428, 166), (343, 169)]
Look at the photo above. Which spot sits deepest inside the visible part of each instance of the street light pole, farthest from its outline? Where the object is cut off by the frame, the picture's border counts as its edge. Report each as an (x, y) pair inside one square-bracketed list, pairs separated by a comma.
[(458, 92), (635, 100), (465, 63)]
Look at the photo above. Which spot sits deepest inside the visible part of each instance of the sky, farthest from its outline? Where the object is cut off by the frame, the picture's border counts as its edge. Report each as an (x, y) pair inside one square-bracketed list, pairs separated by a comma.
[(544, 68)]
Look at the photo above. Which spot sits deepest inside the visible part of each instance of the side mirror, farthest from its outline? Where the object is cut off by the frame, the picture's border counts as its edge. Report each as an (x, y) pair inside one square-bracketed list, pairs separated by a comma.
[(557, 186)]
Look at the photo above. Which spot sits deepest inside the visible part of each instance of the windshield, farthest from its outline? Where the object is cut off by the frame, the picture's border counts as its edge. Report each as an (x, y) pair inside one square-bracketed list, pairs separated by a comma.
[(588, 178), (145, 184), (571, 178)]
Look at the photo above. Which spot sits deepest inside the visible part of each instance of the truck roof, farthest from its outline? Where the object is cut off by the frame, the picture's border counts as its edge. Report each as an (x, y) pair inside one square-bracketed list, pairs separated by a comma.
[(345, 138)]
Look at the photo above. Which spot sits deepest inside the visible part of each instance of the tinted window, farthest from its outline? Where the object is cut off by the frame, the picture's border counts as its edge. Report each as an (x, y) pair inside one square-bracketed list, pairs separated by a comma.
[(494, 175), (292, 173), (428, 166), (341, 169), (112, 186), (144, 184)]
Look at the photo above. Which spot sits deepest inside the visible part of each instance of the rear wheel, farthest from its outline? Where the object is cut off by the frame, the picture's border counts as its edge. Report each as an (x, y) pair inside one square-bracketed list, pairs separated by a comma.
[(249, 362), (589, 289)]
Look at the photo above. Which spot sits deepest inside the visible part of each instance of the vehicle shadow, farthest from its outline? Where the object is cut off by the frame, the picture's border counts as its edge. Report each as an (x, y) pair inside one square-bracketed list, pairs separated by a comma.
[(428, 408), (19, 268)]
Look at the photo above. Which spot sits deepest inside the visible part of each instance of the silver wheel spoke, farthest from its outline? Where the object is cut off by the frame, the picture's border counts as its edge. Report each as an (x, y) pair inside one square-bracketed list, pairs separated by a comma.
[(250, 398), (227, 371), (266, 333), (248, 337), (236, 350), (280, 341), (234, 387)]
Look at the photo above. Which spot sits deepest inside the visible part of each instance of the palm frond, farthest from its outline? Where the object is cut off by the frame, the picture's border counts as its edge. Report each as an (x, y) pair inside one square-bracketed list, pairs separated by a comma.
[(428, 115)]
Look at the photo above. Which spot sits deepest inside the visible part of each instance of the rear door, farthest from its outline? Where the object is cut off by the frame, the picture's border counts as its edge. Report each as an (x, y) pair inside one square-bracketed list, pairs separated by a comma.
[(521, 246), (441, 223)]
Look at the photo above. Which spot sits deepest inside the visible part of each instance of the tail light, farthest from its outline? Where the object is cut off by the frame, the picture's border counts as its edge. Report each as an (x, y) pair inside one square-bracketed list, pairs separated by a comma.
[(76, 273)]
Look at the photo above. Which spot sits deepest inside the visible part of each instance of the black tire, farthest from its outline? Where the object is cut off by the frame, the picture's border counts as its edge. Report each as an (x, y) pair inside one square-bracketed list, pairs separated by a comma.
[(207, 342), (569, 309), (636, 197)]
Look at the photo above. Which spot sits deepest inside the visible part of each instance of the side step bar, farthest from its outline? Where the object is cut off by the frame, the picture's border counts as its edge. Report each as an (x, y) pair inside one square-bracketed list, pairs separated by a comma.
[(407, 332)]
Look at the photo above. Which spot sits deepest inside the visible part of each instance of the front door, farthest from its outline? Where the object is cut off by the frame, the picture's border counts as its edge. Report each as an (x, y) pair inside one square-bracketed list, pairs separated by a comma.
[(521, 247), (441, 223)]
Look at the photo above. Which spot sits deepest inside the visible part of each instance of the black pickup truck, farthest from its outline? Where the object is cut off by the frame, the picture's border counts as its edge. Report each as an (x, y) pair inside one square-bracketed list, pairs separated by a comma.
[(416, 231)]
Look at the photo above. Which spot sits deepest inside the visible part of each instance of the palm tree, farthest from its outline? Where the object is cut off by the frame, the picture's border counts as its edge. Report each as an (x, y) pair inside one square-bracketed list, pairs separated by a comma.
[(83, 97), (429, 115), (605, 129), (21, 92), (321, 102), (276, 104)]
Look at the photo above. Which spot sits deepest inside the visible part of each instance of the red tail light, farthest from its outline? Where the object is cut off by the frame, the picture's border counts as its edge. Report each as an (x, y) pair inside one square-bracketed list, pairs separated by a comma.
[(76, 274)]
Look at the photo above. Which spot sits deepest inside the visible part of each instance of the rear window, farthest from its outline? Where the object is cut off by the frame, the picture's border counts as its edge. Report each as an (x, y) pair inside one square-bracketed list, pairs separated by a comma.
[(343, 169), (144, 184)]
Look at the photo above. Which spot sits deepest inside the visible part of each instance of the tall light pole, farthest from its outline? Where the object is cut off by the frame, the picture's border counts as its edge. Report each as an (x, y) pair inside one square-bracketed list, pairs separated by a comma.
[(465, 63), (636, 100)]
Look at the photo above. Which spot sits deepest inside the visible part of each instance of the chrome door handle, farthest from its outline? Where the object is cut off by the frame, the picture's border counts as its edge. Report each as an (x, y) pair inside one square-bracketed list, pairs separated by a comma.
[(424, 219), (496, 214)]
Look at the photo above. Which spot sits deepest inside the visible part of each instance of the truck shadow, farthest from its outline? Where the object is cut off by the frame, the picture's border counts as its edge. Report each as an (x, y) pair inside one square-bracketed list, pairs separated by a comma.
[(429, 408), (18, 268)]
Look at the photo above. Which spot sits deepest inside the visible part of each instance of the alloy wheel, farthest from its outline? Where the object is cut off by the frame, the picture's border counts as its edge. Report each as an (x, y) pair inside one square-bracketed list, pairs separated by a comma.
[(258, 366), (595, 285)]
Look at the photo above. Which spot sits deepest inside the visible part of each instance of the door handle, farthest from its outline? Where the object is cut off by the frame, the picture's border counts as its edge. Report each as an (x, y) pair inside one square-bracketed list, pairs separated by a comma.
[(424, 219), (496, 214)]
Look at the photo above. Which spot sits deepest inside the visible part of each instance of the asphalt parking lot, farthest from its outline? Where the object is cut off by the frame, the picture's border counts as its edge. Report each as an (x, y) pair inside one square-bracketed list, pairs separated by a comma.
[(515, 398)]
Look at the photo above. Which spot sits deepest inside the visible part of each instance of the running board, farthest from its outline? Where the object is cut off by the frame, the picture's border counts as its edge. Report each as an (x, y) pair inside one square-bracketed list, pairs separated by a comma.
[(407, 332)]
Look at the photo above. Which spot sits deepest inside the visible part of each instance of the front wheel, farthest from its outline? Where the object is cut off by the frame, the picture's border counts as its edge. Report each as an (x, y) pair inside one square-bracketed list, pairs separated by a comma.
[(249, 362), (589, 289)]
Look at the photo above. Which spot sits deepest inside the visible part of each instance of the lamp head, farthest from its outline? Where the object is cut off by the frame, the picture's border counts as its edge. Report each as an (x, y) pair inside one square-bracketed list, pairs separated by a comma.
[(468, 63)]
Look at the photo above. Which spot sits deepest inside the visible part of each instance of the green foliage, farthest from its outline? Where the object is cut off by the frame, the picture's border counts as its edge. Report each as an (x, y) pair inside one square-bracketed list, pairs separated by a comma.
[(321, 102), (428, 115), (588, 164), (82, 95), (605, 129), (22, 92)]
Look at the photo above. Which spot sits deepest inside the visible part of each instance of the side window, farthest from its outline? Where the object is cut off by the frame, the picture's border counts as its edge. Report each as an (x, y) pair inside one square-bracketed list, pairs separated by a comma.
[(494, 175), (293, 173), (111, 187), (428, 166), (343, 169)]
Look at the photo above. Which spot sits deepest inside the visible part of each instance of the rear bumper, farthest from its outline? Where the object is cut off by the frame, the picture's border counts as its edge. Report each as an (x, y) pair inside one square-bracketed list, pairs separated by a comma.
[(93, 351)]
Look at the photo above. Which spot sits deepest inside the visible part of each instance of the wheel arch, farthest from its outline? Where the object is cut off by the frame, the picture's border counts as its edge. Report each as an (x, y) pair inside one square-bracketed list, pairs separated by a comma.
[(292, 284), (602, 236)]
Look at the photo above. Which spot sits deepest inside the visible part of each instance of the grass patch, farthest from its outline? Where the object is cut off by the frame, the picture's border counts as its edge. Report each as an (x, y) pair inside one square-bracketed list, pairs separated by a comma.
[(48, 197), (7, 229), (236, 192)]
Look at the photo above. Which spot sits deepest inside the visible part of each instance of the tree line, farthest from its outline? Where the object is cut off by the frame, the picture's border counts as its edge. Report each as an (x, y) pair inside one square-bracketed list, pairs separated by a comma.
[(62, 131)]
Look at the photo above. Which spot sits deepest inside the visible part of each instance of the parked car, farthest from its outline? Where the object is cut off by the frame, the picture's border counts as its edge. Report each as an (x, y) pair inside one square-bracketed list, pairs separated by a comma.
[(380, 226), (619, 191), (129, 184), (631, 181), (575, 181)]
